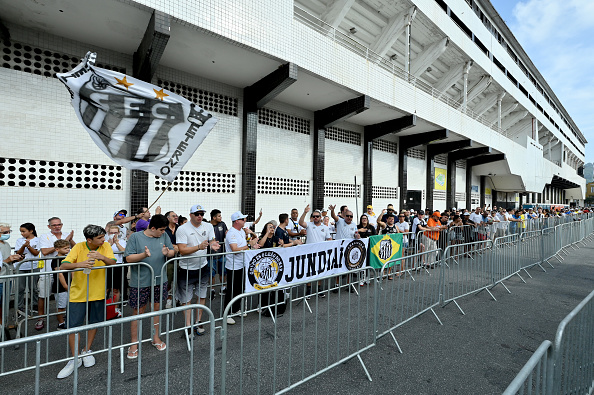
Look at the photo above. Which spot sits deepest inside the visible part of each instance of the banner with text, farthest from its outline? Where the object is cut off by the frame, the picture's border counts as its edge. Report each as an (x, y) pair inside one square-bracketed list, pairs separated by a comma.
[(274, 267), (384, 248)]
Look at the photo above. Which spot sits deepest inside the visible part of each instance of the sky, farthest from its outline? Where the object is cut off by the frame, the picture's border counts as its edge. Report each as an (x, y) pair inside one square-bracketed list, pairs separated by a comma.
[(557, 36)]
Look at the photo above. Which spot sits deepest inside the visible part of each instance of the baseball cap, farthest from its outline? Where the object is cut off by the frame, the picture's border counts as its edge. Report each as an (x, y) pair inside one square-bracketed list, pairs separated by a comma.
[(237, 215), (197, 207), (467, 213), (436, 213), (369, 206), (125, 212)]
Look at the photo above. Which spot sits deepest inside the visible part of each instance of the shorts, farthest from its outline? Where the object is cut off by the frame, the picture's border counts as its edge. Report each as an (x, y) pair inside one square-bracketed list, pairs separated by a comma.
[(62, 300), (217, 265), (77, 312), (192, 282), (45, 285), (140, 297)]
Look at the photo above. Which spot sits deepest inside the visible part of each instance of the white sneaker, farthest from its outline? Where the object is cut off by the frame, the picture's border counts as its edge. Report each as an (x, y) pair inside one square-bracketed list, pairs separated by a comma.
[(222, 293), (88, 360), (243, 314), (230, 321), (68, 369), (169, 304)]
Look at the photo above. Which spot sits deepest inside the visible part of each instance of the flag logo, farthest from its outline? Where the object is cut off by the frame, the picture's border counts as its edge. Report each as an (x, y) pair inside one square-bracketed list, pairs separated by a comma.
[(385, 248), (265, 270), (138, 125)]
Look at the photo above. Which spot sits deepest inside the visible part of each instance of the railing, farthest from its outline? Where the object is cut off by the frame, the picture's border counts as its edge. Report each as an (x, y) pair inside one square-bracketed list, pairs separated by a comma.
[(386, 63), (275, 347)]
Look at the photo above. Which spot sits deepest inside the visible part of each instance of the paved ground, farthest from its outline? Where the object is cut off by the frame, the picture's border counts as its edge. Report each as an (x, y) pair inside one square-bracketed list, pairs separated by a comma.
[(476, 353)]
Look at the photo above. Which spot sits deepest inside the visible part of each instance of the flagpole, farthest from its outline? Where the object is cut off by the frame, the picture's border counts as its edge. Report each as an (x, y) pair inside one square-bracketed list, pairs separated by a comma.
[(164, 190)]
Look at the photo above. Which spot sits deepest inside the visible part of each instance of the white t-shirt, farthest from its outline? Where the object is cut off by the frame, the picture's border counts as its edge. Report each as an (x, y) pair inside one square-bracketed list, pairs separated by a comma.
[(416, 222), (47, 241), (192, 236), (404, 227), (234, 236), (372, 219), (119, 255), (34, 243), (344, 230), (476, 218), (294, 227), (317, 233)]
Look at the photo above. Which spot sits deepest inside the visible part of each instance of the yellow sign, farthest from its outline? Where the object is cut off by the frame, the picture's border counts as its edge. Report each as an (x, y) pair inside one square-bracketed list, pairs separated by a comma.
[(440, 179), (487, 191)]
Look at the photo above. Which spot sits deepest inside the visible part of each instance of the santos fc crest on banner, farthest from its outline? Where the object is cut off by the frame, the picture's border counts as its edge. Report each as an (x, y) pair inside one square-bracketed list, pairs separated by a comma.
[(138, 125)]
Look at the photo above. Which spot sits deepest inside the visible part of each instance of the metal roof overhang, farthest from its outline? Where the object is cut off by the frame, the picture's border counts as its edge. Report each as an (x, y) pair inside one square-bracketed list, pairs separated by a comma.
[(562, 183)]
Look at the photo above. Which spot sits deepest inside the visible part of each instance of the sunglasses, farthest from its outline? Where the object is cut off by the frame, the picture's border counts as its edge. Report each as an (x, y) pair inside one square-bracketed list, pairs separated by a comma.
[(401, 216), (315, 216), (6, 232), (199, 213), (349, 216)]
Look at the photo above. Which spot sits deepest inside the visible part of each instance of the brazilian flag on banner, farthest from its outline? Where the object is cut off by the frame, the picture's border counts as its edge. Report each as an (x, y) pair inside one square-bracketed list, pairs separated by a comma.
[(384, 248)]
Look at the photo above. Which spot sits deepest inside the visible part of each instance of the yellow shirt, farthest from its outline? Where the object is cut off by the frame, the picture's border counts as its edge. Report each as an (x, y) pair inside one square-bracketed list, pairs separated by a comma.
[(78, 285)]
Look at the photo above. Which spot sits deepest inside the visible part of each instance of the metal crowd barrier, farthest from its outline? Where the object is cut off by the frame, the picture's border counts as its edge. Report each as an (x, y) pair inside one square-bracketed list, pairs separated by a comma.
[(23, 322), (466, 270), (565, 366), (176, 371), (407, 292), (532, 379), (276, 354), (338, 326), (572, 365)]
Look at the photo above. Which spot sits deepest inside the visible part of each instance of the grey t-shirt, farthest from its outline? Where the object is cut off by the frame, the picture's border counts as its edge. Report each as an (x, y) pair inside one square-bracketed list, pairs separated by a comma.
[(136, 245)]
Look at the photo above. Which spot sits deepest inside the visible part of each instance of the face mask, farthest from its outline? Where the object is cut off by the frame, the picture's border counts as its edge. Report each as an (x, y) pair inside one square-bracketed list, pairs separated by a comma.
[(5, 237)]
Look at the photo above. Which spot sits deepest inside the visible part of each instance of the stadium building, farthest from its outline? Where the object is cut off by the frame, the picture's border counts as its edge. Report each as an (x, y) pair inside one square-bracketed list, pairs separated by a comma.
[(424, 103)]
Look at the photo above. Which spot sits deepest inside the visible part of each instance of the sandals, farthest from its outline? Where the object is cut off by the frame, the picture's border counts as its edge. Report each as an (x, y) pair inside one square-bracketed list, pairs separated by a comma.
[(160, 346), (132, 354)]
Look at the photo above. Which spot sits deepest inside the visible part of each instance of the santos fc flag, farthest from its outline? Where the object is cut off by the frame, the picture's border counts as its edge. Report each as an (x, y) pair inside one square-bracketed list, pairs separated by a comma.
[(384, 248), (138, 125)]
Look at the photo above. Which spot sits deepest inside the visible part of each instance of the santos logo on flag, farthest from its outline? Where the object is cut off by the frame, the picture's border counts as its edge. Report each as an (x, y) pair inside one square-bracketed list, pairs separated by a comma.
[(138, 125), (384, 249)]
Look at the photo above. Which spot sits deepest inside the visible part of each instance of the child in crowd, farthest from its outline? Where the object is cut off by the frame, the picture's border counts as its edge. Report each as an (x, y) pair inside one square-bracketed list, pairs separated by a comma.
[(59, 282), (28, 247)]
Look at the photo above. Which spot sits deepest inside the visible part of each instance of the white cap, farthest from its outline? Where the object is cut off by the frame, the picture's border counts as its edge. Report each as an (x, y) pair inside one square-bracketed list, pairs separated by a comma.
[(197, 207), (237, 215)]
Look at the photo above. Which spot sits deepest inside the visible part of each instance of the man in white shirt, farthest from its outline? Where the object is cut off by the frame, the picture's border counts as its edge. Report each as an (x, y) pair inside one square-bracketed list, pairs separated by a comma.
[(193, 238), (46, 244), (316, 233), (234, 263), (316, 230), (345, 227), (295, 231)]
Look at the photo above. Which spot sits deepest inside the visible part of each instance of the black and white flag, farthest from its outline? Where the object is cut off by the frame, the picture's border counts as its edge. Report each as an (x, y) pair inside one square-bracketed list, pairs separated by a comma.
[(138, 125)]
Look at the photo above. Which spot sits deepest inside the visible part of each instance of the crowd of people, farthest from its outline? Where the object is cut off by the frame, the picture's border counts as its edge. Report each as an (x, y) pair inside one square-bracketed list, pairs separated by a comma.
[(208, 250)]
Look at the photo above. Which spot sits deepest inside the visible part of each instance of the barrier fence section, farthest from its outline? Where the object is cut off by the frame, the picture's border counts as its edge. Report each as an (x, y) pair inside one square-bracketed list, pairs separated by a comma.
[(408, 288), (54, 305), (273, 355), (565, 366), (39, 296), (326, 321), (175, 373), (532, 379), (572, 365), (466, 269)]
